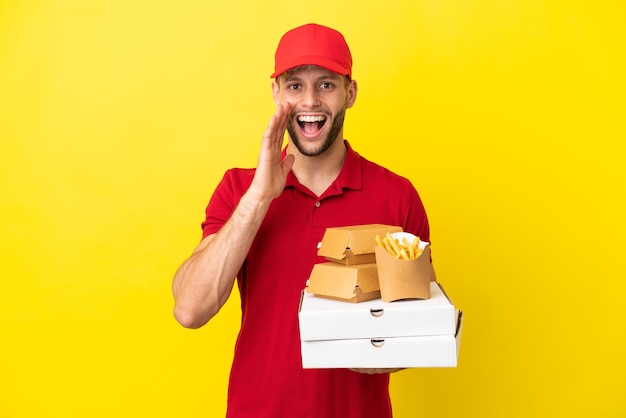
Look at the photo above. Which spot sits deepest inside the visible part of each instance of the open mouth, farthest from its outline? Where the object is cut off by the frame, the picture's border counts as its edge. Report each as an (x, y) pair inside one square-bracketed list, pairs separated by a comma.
[(311, 124)]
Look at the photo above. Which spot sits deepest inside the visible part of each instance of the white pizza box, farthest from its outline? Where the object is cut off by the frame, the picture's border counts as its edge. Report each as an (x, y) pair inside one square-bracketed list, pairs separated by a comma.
[(328, 319), (395, 352)]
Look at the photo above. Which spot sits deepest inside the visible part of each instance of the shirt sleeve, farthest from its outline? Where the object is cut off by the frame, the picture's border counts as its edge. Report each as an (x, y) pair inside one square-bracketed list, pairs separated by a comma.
[(416, 219), (225, 199)]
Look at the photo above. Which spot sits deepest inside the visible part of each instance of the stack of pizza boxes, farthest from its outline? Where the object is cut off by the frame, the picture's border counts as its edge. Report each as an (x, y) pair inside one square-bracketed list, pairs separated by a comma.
[(367, 308)]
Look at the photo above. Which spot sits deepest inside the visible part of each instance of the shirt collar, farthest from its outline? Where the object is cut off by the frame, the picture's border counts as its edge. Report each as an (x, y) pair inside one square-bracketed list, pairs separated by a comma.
[(349, 177)]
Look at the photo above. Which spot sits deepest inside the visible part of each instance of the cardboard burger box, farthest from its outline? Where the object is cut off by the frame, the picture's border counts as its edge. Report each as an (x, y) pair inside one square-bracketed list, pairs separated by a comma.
[(355, 244), (377, 334), (354, 283)]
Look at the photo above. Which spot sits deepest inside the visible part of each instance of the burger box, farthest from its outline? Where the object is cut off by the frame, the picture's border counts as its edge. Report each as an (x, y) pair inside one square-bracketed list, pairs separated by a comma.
[(377, 334), (354, 283), (353, 244), (322, 318)]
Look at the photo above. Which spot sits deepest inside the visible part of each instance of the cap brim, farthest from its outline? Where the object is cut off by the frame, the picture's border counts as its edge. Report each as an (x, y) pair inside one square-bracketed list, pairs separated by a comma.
[(311, 60)]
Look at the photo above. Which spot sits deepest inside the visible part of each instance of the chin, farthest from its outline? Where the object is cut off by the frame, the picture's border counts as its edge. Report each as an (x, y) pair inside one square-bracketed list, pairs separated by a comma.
[(313, 148)]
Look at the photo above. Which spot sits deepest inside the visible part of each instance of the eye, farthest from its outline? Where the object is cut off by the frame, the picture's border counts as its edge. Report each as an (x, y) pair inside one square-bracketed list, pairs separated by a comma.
[(293, 86), (326, 85)]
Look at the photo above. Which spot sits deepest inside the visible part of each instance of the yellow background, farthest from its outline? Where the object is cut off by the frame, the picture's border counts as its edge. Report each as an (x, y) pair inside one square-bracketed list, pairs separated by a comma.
[(118, 118)]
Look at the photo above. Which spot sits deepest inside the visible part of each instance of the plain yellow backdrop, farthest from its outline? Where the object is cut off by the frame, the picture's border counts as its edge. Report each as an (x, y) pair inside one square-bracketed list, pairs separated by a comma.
[(118, 118)]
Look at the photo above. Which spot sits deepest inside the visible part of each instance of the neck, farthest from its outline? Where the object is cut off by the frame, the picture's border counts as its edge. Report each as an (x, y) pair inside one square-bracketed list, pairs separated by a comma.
[(318, 173)]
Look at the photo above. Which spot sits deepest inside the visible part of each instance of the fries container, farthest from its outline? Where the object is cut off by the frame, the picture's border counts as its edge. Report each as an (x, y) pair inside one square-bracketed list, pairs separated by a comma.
[(355, 244), (404, 279)]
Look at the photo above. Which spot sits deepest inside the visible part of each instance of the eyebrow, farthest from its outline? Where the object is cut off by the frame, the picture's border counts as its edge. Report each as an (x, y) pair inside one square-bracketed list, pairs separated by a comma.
[(329, 75)]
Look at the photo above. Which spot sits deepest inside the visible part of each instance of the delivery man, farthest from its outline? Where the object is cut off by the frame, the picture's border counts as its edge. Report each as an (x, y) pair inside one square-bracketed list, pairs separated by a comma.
[(263, 225)]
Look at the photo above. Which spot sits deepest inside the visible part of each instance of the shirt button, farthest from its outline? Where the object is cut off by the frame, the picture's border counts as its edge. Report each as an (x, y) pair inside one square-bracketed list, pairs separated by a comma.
[(317, 204)]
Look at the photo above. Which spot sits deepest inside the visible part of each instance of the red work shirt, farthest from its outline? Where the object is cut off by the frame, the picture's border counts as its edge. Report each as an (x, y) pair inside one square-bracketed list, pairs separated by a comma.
[(267, 379)]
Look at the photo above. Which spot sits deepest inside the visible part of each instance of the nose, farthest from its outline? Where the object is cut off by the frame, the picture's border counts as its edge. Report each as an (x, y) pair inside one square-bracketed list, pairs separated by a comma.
[(311, 98)]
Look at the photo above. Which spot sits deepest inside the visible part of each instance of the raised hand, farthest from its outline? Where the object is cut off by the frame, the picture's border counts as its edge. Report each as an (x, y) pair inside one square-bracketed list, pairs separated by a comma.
[(271, 172), (204, 281)]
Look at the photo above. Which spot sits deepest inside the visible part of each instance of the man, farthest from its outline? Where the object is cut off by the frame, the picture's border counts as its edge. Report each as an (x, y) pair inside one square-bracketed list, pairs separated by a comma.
[(263, 225)]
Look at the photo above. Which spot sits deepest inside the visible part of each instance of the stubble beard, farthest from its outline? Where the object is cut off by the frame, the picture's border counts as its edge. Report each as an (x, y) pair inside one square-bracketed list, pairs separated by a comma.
[(330, 139)]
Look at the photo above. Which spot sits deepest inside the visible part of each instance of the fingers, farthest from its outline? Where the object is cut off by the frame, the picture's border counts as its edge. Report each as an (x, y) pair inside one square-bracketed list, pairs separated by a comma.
[(278, 123), (272, 170), (282, 115)]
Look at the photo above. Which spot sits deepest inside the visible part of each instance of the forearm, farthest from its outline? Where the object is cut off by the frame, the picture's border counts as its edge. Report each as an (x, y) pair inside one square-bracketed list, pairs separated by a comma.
[(204, 282)]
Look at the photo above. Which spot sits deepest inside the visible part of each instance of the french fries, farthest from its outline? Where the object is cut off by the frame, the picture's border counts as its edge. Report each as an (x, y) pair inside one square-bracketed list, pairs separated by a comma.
[(404, 250)]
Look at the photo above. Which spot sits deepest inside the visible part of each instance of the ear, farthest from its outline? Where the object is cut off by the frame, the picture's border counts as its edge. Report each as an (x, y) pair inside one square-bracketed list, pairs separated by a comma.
[(351, 94), (275, 91)]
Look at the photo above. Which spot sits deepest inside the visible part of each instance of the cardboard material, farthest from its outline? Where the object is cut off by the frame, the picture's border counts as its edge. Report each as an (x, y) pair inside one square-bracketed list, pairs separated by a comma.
[(324, 319), (404, 279), (346, 283), (399, 352), (355, 244)]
